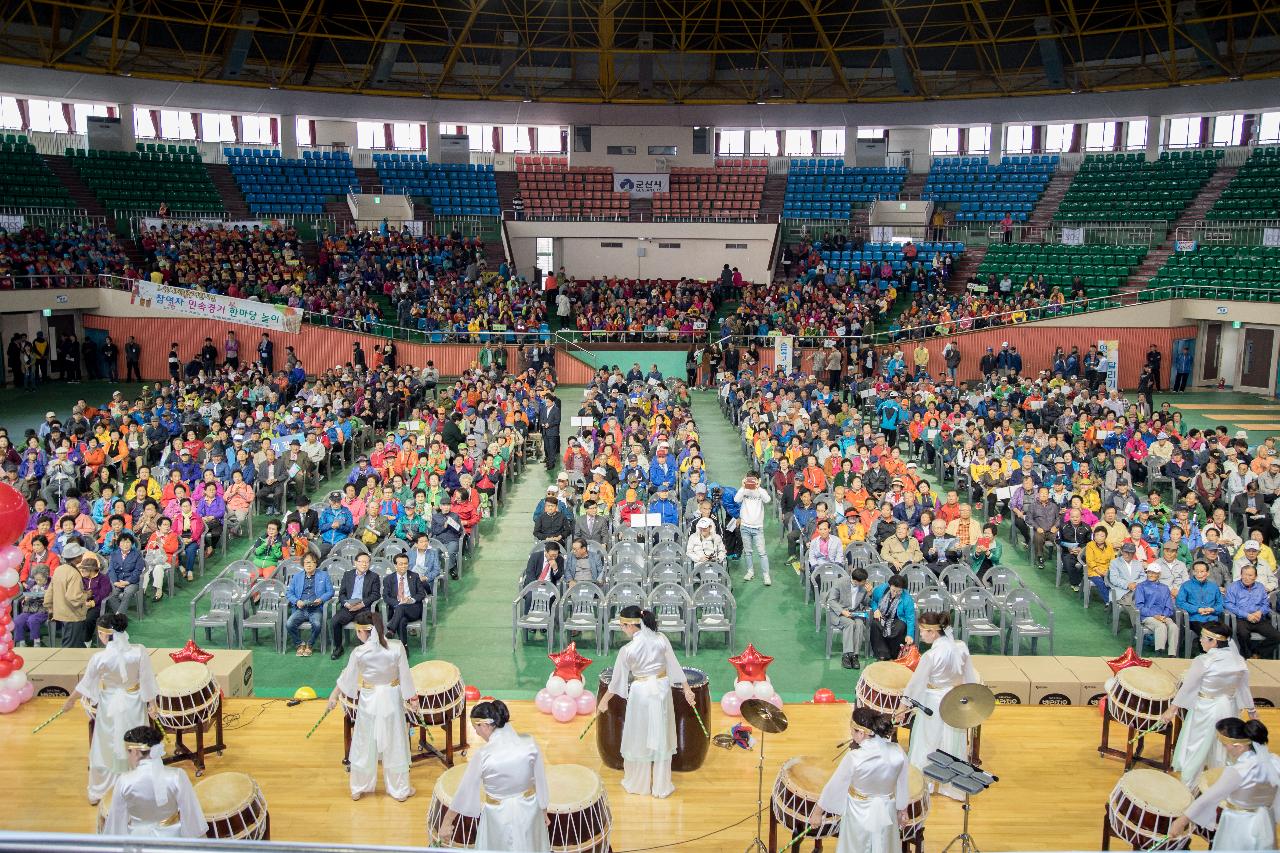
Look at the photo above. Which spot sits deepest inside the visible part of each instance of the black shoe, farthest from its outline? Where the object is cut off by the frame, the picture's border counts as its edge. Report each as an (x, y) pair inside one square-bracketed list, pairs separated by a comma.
[(850, 661), (337, 653)]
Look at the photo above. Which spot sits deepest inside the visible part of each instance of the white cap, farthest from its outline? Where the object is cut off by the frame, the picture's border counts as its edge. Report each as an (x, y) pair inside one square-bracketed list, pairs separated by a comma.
[(1251, 545), (599, 471), (1241, 434), (705, 523), (1153, 568)]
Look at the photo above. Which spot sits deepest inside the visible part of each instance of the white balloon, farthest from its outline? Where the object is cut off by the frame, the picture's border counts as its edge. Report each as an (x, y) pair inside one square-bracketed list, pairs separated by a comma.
[(14, 681), (573, 688), (8, 578), (763, 690), (555, 685), (744, 689)]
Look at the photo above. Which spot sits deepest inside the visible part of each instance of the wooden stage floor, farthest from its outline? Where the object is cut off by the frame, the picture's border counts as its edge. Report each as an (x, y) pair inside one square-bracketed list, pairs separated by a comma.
[(1050, 796)]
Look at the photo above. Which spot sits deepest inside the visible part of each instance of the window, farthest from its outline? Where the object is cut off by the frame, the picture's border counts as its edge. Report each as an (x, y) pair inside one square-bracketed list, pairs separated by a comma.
[(550, 140), (1184, 132), (217, 127), (82, 113), (10, 118), (662, 150), (797, 143), (978, 140), (302, 132), (515, 138), (1017, 139), (668, 245), (480, 137), (369, 134), (47, 116), (1057, 138), (944, 140), (620, 150), (1100, 136), (735, 246), (257, 129), (871, 133), (830, 142), (545, 249), (1135, 134), (762, 143), (732, 142), (142, 127), (406, 135), (1268, 128), (1227, 130), (176, 125)]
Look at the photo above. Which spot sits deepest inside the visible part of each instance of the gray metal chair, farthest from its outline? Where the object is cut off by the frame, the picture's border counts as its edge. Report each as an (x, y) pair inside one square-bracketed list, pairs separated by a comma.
[(957, 578), (287, 568), (669, 534), (222, 608), (668, 571), (673, 607), (535, 610), (1019, 619), (715, 611), (582, 611), (978, 614), (388, 548), (861, 554), (919, 578), (627, 552), (712, 573), (620, 595), (626, 573), (825, 576), (1000, 581), (267, 608)]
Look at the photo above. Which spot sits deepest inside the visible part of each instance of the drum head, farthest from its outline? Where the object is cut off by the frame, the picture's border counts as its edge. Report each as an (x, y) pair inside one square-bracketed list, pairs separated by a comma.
[(1147, 682), (572, 788), (806, 775), (447, 785), (183, 679), (887, 675), (915, 783), (224, 794), (1158, 793), (695, 677), (1209, 778), (434, 676)]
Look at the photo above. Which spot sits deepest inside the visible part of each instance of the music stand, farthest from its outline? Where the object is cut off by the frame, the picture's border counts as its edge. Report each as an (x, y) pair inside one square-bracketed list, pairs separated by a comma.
[(947, 769)]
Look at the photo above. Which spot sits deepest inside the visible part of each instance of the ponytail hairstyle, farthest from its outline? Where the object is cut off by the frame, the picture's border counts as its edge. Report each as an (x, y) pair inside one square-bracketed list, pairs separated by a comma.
[(494, 712), (934, 619), (113, 622), (634, 614), (1235, 728), (873, 721), (147, 736), (372, 619)]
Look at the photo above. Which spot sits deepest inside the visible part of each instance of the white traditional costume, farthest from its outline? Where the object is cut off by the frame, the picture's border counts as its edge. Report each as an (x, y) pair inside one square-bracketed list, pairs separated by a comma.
[(649, 731), (1249, 793), (1216, 686), (155, 801), (379, 679), (505, 786), (120, 681), (868, 789), (947, 664)]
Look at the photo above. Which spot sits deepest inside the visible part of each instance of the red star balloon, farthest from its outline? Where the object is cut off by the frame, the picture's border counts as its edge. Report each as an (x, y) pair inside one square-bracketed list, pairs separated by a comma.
[(751, 665), (1129, 658), (569, 664), (191, 652)]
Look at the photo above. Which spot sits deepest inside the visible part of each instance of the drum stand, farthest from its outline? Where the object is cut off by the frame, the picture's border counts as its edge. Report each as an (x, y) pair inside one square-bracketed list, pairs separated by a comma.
[(182, 752), (1132, 755), (428, 751)]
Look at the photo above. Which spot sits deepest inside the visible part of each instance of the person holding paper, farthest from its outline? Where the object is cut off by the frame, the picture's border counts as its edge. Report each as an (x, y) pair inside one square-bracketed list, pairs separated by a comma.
[(547, 566)]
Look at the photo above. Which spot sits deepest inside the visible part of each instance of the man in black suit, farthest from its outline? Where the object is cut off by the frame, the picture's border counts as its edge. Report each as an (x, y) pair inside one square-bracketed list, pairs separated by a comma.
[(549, 423), (548, 565), (307, 519), (270, 480), (358, 592), (402, 593)]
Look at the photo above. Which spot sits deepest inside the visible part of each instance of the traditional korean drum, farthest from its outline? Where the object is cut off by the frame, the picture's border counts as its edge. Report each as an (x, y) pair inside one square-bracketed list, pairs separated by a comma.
[(187, 697), (464, 828), (881, 685), (579, 810), (1142, 807), (439, 687), (1137, 696), (233, 807), (692, 742)]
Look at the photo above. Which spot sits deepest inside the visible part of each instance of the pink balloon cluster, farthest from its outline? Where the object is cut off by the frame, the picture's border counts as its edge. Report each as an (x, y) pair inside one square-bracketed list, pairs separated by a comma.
[(15, 687), (564, 700), (731, 702)]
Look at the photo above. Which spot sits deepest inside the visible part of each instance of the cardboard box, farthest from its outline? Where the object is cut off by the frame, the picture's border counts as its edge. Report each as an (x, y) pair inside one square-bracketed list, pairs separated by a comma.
[(1051, 682), (36, 654), (1264, 682), (1008, 682), (58, 674), (1177, 667), (1092, 673), (232, 669)]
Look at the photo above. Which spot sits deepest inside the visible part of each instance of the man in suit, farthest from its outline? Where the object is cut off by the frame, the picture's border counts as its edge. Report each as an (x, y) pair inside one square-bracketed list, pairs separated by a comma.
[(549, 423), (425, 562), (584, 564), (307, 519), (357, 592), (270, 480), (592, 526), (849, 603), (451, 434), (547, 566), (402, 593), (553, 523), (295, 458)]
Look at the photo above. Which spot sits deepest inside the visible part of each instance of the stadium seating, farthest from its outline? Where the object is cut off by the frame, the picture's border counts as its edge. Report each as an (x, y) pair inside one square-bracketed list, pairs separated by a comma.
[(980, 191), (828, 189), (1102, 269), (876, 253), (731, 190), (1126, 187), (550, 187), (1211, 272), (61, 256), (1252, 193), (274, 184), (453, 189), (27, 179), (144, 179)]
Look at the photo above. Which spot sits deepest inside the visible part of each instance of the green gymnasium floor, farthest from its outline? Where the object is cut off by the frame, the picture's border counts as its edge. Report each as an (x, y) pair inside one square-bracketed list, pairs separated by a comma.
[(475, 622)]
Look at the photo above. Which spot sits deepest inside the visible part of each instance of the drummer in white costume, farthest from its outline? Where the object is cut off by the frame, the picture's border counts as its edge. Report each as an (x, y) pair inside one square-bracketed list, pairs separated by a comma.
[(151, 800), (120, 681), (649, 731), (505, 786), (1216, 686), (377, 674), (1248, 791), (870, 788), (947, 664)]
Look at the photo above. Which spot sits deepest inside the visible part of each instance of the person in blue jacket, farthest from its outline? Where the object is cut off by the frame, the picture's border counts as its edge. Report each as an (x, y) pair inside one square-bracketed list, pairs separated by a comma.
[(893, 618), (1201, 599), (308, 592), (336, 523), (664, 506)]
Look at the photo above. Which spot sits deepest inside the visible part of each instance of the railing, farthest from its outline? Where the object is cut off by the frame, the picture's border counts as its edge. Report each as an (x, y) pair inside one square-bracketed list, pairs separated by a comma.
[(1249, 232), (45, 217), (1138, 233), (19, 842), (129, 215), (56, 144), (600, 216)]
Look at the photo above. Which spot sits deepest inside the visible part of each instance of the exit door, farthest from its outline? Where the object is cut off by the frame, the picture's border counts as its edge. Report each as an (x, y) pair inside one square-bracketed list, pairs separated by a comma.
[(1255, 359), (1210, 367)]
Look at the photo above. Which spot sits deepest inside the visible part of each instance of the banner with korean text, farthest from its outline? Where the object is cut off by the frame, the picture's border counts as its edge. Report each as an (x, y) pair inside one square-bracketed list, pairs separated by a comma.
[(206, 306), (642, 184)]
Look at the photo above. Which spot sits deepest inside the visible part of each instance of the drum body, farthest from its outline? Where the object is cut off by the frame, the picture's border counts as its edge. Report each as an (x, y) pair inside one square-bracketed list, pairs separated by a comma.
[(233, 806), (691, 743), (579, 810), (796, 791), (187, 697), (464, 828), (1206, 781), (104, 807), (1142, 807), (1138, 696), (350, 706), (439, 687), (918, 807), (881, 685)]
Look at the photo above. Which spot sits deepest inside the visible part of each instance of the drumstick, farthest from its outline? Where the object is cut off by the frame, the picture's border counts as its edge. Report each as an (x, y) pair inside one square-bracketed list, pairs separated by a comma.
[(698, 717), (796, 839), (589, 725), (37, 729), (1140, 735), (318, 722)]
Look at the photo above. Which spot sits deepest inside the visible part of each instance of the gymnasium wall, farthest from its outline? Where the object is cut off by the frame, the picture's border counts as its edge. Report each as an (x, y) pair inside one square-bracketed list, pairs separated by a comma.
[(602, 136)]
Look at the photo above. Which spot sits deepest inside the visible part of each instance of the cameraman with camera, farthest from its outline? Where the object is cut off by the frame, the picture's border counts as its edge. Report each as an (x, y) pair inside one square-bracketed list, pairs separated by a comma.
[(752, 499)]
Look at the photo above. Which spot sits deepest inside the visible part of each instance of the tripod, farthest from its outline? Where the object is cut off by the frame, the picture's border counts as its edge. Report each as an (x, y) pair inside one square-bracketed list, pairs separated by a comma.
[(967, 844), (757, 844)]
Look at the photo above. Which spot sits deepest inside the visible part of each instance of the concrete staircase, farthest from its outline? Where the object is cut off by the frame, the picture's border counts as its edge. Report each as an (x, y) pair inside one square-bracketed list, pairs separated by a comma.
[(233, 201), (508, 185), (76, 188), (1047, 207), (369, 180), (641, 210), (775, 191), (965, 268), (913, 186)]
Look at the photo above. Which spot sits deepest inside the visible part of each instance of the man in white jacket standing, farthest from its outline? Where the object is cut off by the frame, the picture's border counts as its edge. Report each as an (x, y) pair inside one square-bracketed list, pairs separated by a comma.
[(751, 498)]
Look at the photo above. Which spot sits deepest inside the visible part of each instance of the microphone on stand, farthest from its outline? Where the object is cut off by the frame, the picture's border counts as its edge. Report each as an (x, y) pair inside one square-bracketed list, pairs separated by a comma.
[(928, 712)]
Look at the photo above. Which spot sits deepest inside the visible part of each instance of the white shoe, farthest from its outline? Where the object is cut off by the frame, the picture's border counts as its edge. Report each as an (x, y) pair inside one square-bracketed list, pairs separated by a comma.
[(750, 575), (768, 581)]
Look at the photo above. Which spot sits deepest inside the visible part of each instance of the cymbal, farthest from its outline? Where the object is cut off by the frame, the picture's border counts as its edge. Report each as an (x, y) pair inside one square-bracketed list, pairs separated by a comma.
[(764, 716), (966, 705)]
